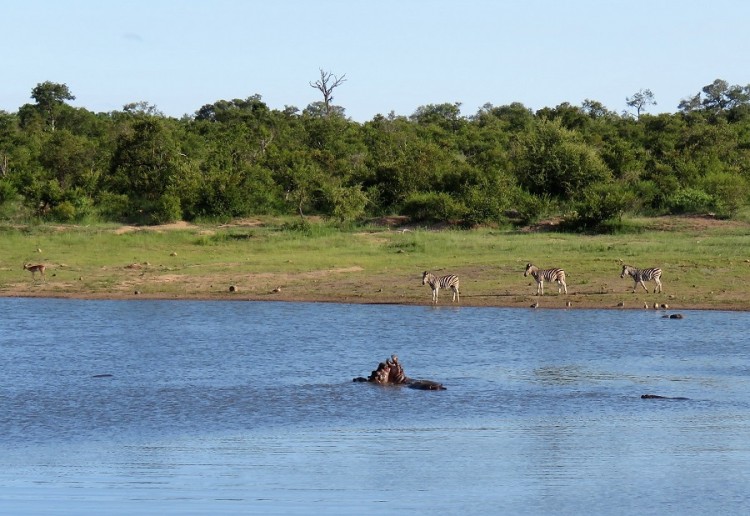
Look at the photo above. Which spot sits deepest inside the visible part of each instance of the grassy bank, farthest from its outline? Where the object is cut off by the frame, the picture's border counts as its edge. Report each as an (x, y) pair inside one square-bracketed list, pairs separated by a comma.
[(706, 263)]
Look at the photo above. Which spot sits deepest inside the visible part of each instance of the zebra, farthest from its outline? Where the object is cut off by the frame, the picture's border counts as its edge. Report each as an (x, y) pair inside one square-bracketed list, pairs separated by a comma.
[(643, 275), (551, 275), (436, 283)]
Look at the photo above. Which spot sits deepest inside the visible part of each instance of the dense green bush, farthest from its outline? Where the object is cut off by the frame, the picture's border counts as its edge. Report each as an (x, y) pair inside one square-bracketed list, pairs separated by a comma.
[(63, 212), (8, 191), (345, 204), (113, 207), (433, 207), (601, 205), (167, 209), (551, 160), (530, 208), (690, 201), (482, 206), (730, 192)]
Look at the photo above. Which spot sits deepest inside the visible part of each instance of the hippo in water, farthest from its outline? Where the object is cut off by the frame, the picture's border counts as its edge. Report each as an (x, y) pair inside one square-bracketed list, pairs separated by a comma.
[(391, 372)]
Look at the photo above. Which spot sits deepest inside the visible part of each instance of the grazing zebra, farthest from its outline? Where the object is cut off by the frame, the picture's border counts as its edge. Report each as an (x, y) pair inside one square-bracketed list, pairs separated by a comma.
[(643, 275), (436, 283), (551, 275)]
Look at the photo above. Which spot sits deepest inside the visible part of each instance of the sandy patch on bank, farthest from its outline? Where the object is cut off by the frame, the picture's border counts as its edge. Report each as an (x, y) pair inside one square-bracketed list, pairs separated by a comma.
[(162, 227)]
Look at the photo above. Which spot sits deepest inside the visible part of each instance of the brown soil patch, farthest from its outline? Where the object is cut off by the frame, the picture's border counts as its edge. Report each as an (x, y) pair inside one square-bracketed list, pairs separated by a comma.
[(392, 221), (162, 227), (403, 223), (693, 223), (543, 225), (244, 223), (666, 223)]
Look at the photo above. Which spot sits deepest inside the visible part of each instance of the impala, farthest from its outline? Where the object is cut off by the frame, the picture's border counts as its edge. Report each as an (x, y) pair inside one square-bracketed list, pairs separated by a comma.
[(34, 269)]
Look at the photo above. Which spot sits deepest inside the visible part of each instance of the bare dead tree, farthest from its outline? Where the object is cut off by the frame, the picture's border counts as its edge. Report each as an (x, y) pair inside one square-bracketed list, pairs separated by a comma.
[(326, 84)]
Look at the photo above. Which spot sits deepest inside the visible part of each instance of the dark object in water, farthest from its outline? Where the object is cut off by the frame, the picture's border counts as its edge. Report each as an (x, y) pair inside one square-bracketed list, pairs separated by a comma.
[(107, 375), (672, 316), (425, 385), (657, 397), (391, 372)]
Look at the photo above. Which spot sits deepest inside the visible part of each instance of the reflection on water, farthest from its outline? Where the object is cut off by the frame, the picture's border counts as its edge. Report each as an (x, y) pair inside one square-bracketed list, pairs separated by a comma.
[(201, 407)]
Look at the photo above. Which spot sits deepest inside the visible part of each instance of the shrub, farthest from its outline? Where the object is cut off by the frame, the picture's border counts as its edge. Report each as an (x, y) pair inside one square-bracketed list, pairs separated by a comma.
[(8, 192), (433, 207), (167, 209), (530, 208), (63, 212), (690, 200), (298, 226), (730, 192), (552, 160), (113, 207), (646, 196), (600, 208), (345, 204)]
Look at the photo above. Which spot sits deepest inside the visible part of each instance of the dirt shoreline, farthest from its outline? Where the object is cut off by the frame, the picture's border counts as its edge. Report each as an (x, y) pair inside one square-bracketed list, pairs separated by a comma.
[(570, 302)]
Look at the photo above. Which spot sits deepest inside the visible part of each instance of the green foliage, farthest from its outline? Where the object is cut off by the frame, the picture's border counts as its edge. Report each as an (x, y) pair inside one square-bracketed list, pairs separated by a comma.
[(730, 192), (433, 207), (600, 208), (483, 205), (8, 192), (113, 207), (71, 160), (550, 160), (298, 226), (641, 100), (145, 159), (345, 204), (411, 242), (690, 200), (447, 116), (240, 158), (531, 208), (309, 229), (619, 226), (235, 193), (50, 98), (43, 194), (168, 209), (716, 97), (63, 212)]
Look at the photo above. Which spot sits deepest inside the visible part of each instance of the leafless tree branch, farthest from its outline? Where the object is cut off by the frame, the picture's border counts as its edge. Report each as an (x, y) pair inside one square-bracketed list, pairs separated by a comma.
[(326, 84)]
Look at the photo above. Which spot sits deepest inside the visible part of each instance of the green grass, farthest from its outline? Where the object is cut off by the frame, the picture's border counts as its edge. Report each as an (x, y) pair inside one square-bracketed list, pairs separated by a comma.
[(704, 266)]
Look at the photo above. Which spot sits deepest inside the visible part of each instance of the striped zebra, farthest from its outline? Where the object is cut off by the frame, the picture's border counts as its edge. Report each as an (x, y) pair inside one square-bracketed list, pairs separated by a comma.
[(436, 283), (551, 275), (642, 276)]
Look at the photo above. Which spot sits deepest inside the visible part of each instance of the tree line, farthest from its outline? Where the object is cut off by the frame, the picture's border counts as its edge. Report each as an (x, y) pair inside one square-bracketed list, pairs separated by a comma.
[(502, 165)]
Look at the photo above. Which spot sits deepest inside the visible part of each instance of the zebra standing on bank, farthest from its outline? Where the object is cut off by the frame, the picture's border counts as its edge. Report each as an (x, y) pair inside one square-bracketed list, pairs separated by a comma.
[(436, 283), (642, 276), (551, 275)]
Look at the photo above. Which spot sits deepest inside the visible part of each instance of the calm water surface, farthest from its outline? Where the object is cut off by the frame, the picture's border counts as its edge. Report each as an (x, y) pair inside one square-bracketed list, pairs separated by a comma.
[(245, 408)]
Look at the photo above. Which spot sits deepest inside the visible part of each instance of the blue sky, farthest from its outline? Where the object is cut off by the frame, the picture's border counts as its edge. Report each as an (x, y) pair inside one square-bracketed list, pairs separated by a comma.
[(397, 54)]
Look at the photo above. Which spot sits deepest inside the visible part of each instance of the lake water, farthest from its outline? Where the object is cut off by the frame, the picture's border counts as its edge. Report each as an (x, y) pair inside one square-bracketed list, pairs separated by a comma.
[(249, 408)]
